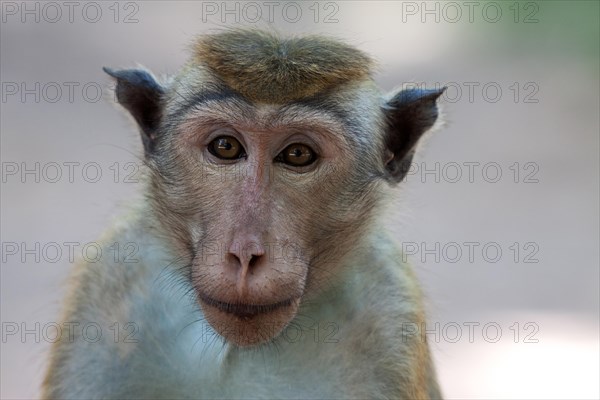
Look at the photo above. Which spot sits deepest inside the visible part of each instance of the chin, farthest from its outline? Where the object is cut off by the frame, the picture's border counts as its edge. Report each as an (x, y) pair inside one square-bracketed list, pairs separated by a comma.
[(245, 324)]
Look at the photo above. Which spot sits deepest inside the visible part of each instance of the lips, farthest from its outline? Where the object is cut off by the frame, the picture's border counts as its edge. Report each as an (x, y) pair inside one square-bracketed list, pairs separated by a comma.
[(244, 310)]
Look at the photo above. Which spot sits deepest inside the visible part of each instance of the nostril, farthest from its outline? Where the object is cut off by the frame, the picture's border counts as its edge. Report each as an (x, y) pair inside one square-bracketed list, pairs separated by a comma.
[(235, 258), (253, 261)]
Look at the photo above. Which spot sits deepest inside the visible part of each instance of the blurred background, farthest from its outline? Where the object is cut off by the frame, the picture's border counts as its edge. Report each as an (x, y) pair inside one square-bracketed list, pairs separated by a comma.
[(502, 222)]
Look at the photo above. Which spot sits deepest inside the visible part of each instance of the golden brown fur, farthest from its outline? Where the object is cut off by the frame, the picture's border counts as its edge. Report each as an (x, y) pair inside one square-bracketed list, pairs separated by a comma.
[(266, 68)]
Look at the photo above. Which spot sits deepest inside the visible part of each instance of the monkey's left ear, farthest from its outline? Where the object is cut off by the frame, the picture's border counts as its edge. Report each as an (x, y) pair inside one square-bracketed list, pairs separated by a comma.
[(410, 113), (142, 96)]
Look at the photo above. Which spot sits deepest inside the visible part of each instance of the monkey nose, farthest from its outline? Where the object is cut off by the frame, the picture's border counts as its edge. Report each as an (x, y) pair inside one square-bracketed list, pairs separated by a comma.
[(247, 253), (246, 256)]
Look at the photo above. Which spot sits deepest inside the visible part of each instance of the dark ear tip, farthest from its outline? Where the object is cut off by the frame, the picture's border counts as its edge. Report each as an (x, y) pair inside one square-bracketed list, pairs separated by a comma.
[(110, 71), (417, 96), (435, 94)]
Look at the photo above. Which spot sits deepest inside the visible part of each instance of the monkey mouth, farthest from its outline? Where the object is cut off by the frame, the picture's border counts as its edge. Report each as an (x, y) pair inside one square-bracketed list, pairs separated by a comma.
[(247, 324), (245, 311)]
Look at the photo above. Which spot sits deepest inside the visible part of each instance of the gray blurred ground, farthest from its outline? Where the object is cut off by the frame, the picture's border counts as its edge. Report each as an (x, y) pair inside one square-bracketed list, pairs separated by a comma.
[(542, 292)]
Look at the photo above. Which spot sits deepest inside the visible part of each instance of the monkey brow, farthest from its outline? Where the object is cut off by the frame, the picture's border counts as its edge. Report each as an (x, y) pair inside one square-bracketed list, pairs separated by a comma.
[(318, 104), (315, 107), (212, 93)]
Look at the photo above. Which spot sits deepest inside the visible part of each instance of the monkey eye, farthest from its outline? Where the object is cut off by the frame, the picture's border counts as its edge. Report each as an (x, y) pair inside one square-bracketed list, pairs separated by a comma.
[(297, 155), (226, 148)]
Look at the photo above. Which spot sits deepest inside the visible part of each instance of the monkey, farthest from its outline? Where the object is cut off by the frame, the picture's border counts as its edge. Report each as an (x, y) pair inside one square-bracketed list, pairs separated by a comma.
[(264, 268)]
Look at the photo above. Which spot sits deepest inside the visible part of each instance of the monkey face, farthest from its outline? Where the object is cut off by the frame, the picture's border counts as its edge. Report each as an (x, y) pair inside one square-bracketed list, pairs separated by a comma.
[(266, 199)]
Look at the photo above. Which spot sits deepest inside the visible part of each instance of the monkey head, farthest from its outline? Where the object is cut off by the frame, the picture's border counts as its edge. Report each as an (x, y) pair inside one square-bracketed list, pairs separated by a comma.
[(268, 157)]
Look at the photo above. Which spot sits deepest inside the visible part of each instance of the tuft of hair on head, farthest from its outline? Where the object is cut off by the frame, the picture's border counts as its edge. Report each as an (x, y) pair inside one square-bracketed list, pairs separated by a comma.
[(265, 67)]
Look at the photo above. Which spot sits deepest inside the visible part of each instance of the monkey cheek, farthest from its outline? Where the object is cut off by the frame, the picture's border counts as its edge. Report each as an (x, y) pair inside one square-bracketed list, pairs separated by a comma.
[(252, 330)]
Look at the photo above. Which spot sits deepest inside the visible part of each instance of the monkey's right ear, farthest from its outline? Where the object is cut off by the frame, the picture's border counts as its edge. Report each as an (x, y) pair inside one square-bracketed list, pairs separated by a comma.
[(409, 114), (142, 96)]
